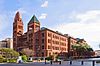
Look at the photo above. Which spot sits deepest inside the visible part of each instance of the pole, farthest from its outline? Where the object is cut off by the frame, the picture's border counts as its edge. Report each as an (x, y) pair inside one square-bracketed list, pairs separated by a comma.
[(82, 62), (93, 63), (70, 62)]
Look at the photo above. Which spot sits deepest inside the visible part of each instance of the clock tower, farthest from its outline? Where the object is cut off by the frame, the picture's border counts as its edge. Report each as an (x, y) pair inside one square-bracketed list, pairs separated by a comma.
[(34, 24), (33, 33)]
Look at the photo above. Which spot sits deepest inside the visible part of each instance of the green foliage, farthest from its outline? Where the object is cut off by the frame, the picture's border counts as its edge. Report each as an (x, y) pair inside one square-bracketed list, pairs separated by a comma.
[(90, 49), (4, 60), (24, 58), (52, 57), (57, 57), (12, 60), (81, 47), (1, 59), (41, 58), (49, 58), (8, 54)]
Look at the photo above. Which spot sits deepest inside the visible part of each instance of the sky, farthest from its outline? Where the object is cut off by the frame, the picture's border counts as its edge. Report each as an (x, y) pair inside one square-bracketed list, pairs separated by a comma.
[(78, 18)]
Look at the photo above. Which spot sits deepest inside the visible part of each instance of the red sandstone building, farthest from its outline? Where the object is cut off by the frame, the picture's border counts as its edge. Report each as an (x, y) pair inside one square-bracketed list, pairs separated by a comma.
[(43, 41)]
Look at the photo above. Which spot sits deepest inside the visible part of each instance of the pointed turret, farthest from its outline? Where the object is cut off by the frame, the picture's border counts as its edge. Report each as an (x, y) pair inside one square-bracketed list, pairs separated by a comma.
[(17, 17), (17, 29), (18, 24), (34, 19), (34, 24)]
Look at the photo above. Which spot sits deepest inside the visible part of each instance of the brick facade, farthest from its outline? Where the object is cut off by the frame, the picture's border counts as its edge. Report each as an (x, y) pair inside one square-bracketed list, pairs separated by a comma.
[(43, 41)]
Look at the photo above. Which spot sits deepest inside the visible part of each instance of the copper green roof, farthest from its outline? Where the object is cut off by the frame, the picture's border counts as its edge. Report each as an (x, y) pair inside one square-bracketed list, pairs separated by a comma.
[(34, 19)]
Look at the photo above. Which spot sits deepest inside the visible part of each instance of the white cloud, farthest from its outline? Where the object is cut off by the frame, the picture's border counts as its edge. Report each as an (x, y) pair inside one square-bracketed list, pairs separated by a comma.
[(87, 17), (45, 4), (88, 27), (43, 16)]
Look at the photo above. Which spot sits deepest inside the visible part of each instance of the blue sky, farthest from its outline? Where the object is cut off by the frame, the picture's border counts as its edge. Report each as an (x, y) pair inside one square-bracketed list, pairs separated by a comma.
[(78, 18)]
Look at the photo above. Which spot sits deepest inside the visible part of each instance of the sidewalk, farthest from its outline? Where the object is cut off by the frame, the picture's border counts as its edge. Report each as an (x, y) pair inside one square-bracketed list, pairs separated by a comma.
[(3, 63)]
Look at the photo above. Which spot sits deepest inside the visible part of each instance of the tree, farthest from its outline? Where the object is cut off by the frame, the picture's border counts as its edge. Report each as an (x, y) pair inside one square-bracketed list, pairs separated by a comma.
[(14, 54), (9, 53), (1, 59), (82, 49), (28, 52), (90, 49), (53, 56), (24, 58)]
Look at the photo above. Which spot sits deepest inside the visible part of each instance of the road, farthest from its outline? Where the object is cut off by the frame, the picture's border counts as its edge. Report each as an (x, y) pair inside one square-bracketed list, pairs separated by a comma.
[(43, 64)]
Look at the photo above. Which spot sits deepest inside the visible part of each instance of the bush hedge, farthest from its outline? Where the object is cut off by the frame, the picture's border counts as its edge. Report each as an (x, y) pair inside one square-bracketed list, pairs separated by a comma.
[(12, 60), (24, 58), (1, 59)]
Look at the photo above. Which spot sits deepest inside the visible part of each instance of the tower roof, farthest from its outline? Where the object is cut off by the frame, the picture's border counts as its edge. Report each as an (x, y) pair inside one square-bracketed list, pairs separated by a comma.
[(18, 18), (34, 19), (17, 15)]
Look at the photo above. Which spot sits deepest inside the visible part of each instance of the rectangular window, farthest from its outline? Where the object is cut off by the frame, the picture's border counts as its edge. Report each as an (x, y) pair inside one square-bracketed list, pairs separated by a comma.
[(56, 48), (53, 36), (49, 40), (42, 40), (42, 34), (53, 42), (42, 54), (53, 48), (42, 46), (20, 27), (49, 54), (49, 34), (37, 41), (49, 47)]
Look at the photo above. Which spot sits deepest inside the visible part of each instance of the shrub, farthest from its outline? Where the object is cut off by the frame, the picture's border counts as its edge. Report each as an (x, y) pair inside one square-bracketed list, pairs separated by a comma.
[(48, 58), (4, 60), (41, 58), (24, 58), (1, 59), (12, 60)]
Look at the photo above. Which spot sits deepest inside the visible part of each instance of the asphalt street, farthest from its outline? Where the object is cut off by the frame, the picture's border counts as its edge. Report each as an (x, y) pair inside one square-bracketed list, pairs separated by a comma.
[(43, 64)]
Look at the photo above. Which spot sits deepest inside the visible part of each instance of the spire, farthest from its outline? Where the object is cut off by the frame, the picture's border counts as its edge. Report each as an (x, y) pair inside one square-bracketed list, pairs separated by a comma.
[(17, 16), (34, 19)]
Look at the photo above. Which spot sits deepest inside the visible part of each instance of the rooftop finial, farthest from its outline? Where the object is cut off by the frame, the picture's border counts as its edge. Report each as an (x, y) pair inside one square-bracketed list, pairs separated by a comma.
[(17, 16)]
